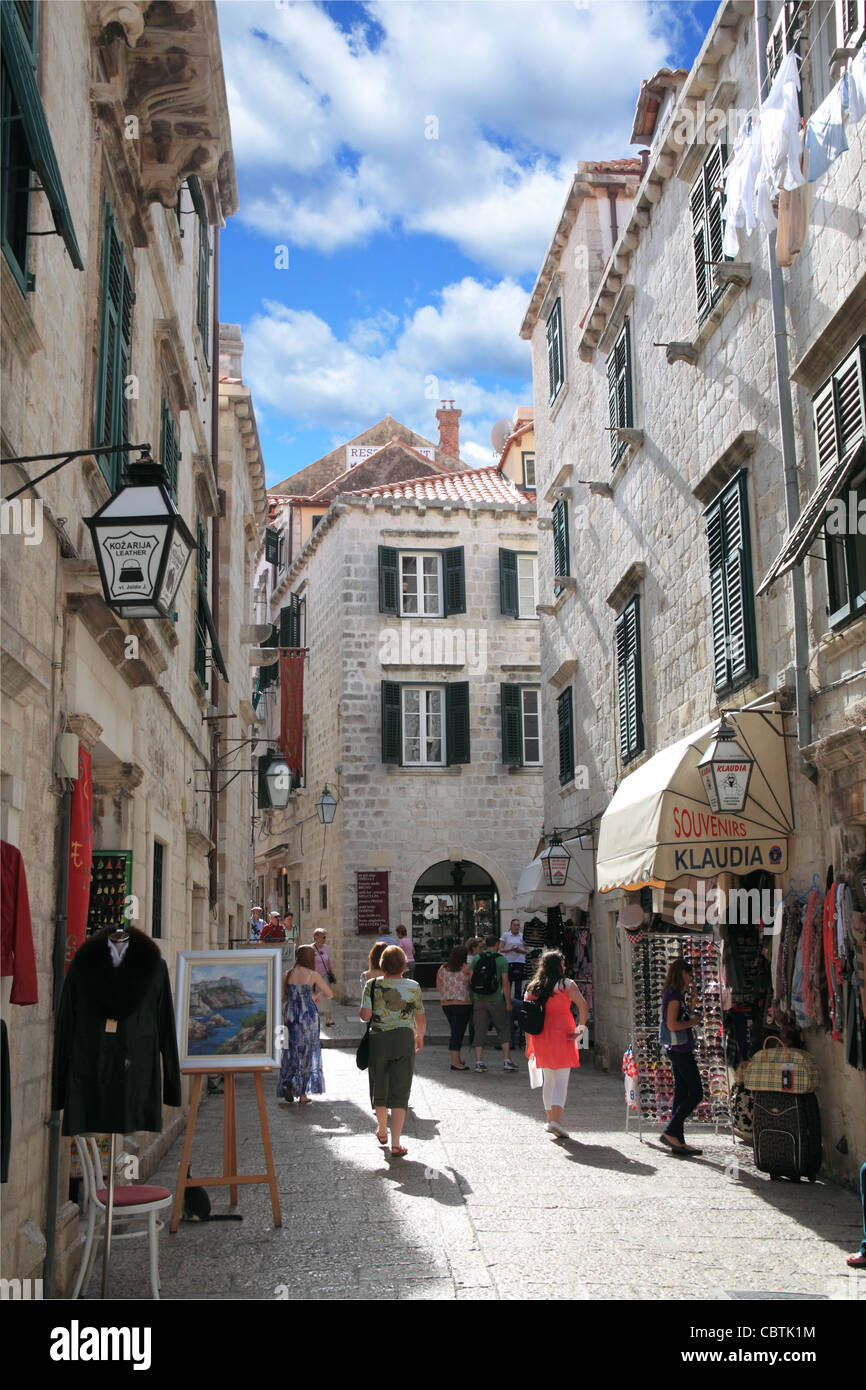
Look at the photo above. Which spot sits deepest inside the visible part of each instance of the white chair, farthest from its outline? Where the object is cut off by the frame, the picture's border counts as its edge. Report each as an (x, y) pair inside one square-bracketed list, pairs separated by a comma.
[(135, 1200)]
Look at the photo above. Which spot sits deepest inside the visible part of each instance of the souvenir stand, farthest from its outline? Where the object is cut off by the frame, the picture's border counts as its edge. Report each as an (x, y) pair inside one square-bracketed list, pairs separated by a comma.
[(651, 952)]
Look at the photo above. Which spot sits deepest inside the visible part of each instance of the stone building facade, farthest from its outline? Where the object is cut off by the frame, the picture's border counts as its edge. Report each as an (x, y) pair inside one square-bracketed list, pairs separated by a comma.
[(411, 593), (659, 406), (108, 336)]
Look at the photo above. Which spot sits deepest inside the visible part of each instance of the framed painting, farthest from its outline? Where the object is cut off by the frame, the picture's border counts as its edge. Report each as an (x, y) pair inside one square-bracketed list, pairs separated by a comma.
[(228, 1009)]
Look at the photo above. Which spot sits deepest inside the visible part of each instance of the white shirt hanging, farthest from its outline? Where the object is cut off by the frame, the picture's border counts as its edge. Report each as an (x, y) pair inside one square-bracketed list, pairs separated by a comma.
[(781, 143), (741, 177), (857, 87)]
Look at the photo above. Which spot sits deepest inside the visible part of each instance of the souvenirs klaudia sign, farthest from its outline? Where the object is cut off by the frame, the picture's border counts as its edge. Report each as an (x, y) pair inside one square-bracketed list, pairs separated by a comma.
[(704, 843)]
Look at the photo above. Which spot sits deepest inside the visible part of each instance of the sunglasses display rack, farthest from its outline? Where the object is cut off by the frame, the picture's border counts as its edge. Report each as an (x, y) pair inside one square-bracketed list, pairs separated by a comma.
[(650, 957), (110, 886)]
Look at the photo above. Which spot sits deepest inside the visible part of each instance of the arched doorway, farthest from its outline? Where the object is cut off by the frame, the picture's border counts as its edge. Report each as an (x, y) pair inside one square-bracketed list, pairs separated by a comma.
[(450, 902)]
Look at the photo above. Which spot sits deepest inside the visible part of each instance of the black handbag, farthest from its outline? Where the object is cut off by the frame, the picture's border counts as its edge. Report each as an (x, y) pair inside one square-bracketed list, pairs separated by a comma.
[(530, 1016), (362, 1056)]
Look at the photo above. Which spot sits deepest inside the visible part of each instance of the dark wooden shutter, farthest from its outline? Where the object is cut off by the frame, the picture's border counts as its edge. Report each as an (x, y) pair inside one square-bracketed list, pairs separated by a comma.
[(261, 768), (850, 409), (509, 601), (555, 360), (169, 451), (202, 316), (392, 723), (706, 200), (565, 716), (629, 681), (698, 205), (561, 558), (824, 416), (714, 169), (731, 598), (620, 409), (512, 725), (455, 580), (272, 545), (290, 623), (109, 373), (457, 722), (269, 675), (389, 580), (786, 35)]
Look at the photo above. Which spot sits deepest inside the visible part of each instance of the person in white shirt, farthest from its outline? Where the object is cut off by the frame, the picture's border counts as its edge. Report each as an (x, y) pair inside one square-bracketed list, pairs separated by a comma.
[(514, 951), (257, 921)]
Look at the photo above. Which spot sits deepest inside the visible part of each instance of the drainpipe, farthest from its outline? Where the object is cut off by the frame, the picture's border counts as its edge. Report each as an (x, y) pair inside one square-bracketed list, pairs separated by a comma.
[(789, 452), (59, 966), (614, 232), (213, 893)]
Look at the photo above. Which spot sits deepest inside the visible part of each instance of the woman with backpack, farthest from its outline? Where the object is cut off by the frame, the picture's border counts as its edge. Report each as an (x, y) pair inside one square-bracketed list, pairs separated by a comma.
[(554, 1047)]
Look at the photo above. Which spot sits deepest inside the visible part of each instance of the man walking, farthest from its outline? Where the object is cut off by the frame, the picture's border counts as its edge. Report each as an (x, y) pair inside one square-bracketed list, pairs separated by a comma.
[(491, 999), (257, 921)]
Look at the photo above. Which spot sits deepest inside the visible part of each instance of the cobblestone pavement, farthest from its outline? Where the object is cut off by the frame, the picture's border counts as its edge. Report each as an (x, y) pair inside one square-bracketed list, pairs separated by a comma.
[(489, 1206)]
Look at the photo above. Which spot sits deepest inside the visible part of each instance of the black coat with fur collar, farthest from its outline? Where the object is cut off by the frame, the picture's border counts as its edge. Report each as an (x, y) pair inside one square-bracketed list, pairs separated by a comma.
[(106, 1077)]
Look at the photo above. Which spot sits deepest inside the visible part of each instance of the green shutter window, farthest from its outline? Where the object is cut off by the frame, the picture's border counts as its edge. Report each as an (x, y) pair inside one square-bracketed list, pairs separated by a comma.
[(561, 556), (272, 545), (555, 356), (620, 408), (707, 199), (27, 147), (202, 315), (512, 730), (565, 719), (629, 682), (169, 449), (202, 553), (839, 413), (457, 722), (509, 600), (262, 765), (389, 580), (731, 597), (455, 581), (392, 723), (115, 346), (156, 891), (290, 623)]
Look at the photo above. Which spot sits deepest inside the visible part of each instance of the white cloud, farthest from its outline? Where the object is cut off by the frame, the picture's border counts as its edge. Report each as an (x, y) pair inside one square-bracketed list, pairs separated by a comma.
[(329, 126), (298, 367)]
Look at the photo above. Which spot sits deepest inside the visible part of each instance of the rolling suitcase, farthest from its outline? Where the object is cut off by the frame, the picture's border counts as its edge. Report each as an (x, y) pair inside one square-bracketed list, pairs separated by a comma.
[(787, 1134)]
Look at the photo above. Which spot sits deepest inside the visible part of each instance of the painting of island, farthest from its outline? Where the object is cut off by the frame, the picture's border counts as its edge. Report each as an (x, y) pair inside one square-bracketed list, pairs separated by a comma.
[(228, 1007)]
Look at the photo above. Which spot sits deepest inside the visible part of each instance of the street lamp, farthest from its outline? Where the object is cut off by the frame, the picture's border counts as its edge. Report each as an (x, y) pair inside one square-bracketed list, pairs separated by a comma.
[(142, 544), (326, 807), (556, 860), (278, 781), (725, 771)]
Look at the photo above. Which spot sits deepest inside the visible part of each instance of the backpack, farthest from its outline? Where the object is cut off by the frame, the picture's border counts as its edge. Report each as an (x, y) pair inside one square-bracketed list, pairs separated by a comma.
[(485, 975), (530, 1016)]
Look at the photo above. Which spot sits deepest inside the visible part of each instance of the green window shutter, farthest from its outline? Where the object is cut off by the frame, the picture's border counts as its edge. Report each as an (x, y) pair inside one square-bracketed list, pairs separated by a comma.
[(698, 205), (565, 719), (457, 722), (272, 545), (115, 347), (389, 580), (169, 451), (629, 682), (202, 316), (848, 381), (201, 623), (824, 418), (392, 723), (508, 596), (555, 360), (455, 581), (561, 557), (261, 768), (620, 410), (707, 199), (734, 644), (290, 623), (714, 170), (512, 732)]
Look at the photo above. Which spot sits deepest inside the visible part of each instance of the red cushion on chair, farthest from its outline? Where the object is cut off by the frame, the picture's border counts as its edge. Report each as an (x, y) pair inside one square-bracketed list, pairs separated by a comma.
[(134, 1196)]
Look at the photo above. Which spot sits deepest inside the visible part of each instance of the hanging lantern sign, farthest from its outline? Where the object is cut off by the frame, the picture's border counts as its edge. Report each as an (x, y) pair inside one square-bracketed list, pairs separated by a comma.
[(142, 545), (556, 860), (725, 771)]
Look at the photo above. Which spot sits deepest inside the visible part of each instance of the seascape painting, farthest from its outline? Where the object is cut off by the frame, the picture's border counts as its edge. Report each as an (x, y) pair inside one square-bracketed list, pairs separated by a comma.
[(228, 1004)]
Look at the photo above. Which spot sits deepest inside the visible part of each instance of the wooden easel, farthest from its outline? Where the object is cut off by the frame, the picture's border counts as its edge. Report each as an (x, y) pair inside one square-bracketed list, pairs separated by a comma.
[(230, 1177)]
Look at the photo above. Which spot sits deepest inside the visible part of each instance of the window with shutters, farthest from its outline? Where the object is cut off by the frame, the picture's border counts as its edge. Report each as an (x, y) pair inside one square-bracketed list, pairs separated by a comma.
[(169, 448), (202, 309), (422, 583), (732, 606), (425, 725), (565, 720), (521, 725), (561, 551), (528, 462), (115, 346), (518, 584), (786, 36), (157, 890), (17, 172), (839, 414), (201, 627), (619, 393), (850, 24), (555, 352), (629, 682), (706, 200)]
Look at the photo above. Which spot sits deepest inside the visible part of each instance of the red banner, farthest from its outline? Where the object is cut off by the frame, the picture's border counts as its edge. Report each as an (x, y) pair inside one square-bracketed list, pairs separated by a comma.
[(80, 855), (292, 708)]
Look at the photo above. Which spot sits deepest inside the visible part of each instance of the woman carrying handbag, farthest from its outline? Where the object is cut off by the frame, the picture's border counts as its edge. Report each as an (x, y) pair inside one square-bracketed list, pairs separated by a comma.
[(555, 1049)]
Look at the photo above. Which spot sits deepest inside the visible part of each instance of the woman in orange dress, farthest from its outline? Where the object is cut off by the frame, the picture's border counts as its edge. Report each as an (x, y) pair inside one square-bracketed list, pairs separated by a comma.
[(555, 1049)]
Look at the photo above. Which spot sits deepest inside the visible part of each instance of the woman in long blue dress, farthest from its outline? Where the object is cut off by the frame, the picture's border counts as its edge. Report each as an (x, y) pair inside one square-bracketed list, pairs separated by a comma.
[(301, 1065)]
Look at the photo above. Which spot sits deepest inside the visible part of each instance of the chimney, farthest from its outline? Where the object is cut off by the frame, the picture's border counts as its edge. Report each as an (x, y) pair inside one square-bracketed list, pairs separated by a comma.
[(231, 352), (449, 429)]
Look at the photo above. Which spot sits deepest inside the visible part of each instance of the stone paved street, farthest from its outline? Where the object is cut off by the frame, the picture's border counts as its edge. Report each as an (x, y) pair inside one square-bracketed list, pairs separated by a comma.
[(488, 1206)]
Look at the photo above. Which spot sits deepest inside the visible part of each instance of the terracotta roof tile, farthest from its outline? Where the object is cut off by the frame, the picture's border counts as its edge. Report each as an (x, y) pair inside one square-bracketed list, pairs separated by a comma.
[(470, 485)]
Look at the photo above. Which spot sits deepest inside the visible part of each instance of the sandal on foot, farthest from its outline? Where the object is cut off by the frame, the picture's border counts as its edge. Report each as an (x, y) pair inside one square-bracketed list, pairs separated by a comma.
[(453, 1068), (399, 1151), (382, 1138), (856, 1262)]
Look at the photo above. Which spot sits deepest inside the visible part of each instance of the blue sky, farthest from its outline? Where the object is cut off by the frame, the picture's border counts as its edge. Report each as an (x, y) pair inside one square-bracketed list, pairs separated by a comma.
[(401, 167)]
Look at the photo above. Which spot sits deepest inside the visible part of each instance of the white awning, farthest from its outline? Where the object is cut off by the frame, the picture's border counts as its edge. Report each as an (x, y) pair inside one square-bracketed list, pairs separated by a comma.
[(659, 826), (534, 894)]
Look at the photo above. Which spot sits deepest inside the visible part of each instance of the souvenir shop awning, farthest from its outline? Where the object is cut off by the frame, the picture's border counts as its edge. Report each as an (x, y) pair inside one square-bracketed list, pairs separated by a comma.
[(659, 825), (534, 893), (808, 523)]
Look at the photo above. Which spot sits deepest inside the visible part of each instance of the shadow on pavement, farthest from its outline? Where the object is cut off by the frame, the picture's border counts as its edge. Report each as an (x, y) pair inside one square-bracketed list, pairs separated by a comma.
[(600, 1156)]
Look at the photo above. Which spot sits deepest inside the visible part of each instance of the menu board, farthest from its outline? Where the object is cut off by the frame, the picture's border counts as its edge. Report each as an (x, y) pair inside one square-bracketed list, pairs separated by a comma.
[(372, 901)]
